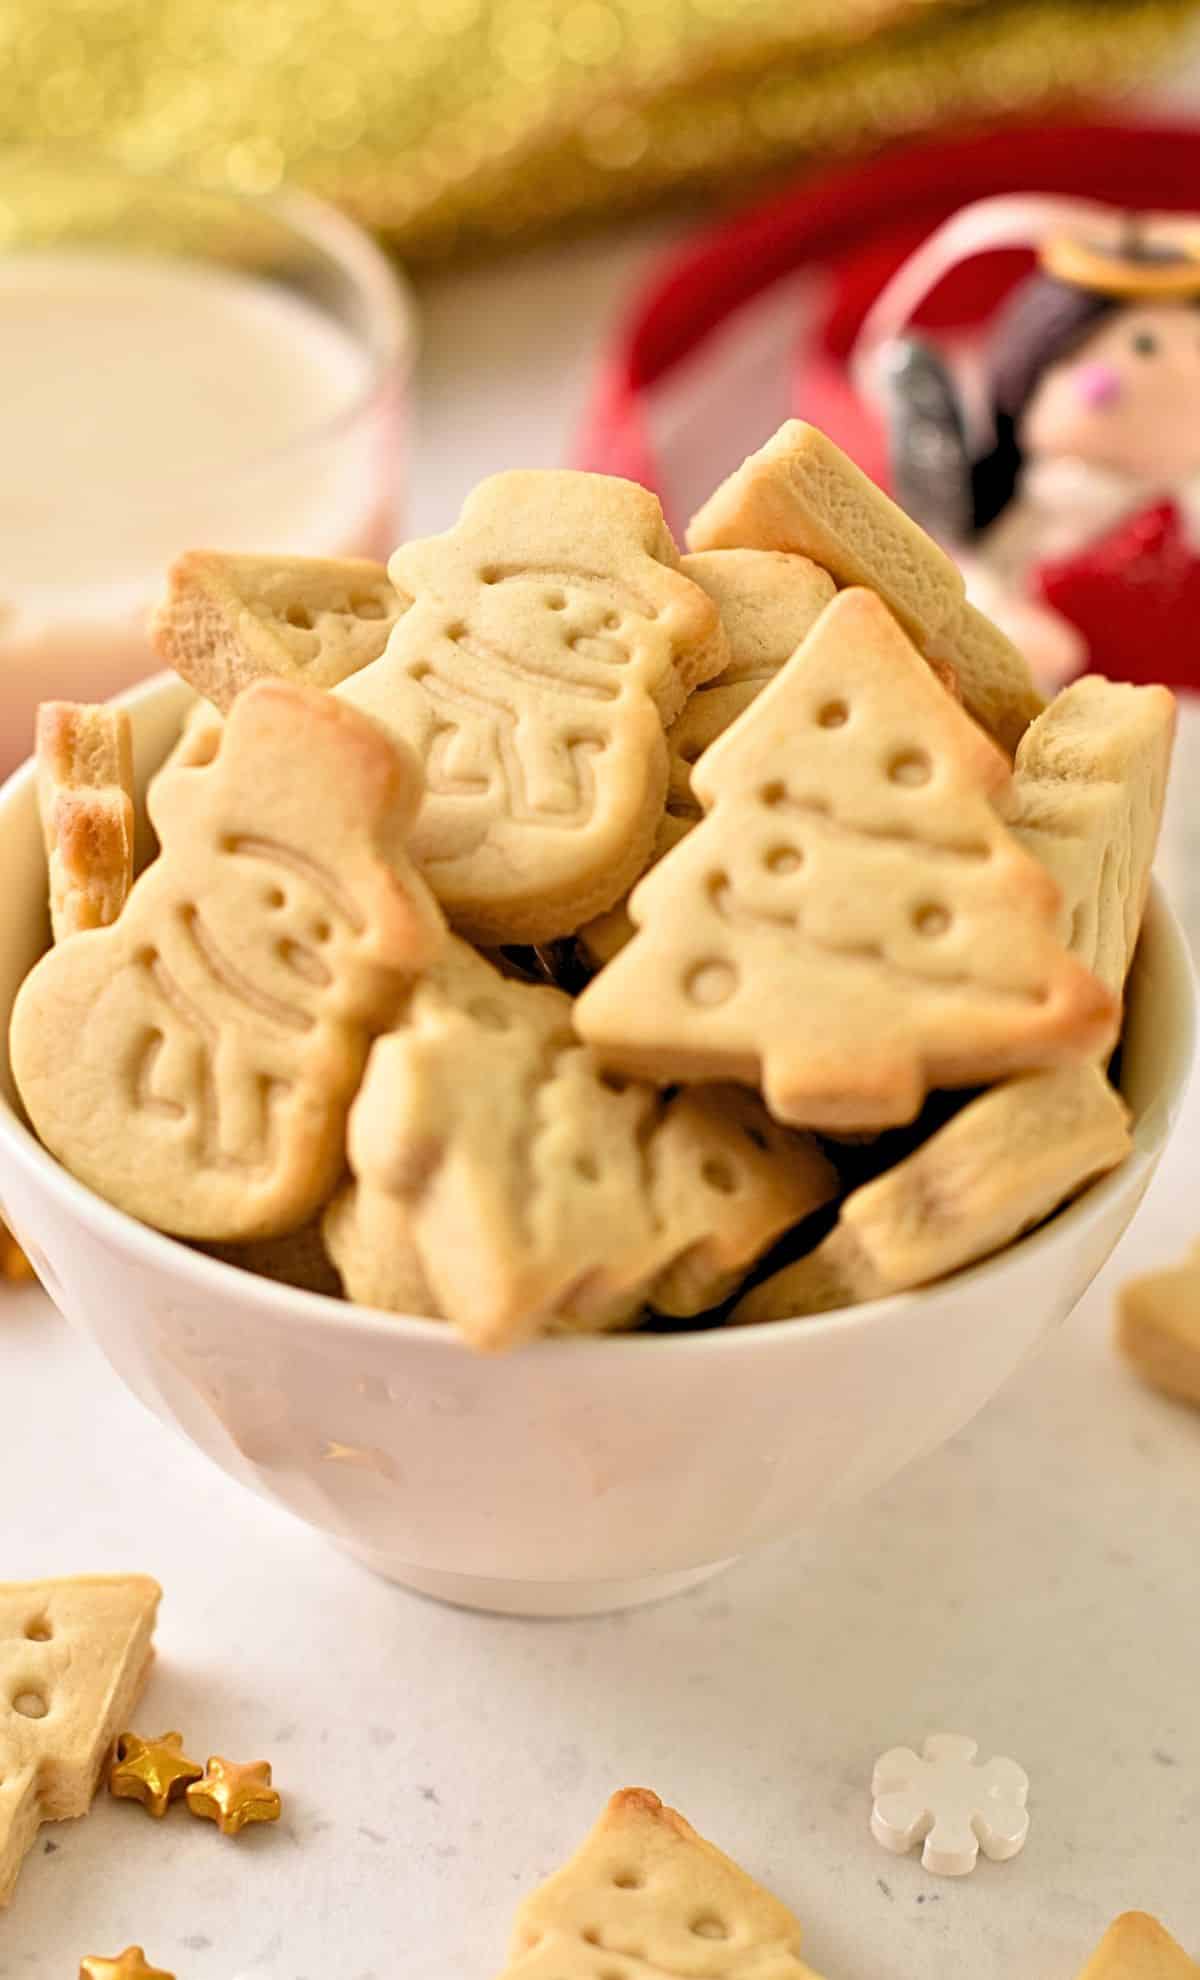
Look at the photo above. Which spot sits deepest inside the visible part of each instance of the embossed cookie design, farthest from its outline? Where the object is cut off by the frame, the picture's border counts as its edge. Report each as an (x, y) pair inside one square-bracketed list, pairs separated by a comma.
[(768, 602), (74, 1656), (229, 620), (532, 1194), (852, 923), (194, 1062), (551, 640), (1088, 787), (1002, 1165)]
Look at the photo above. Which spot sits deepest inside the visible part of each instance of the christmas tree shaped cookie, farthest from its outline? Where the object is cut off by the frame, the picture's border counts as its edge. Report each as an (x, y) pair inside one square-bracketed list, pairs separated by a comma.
[(1137, 1947), (768, 601), (550, 640), (852, 923), (646, 1898), (73, 1659)]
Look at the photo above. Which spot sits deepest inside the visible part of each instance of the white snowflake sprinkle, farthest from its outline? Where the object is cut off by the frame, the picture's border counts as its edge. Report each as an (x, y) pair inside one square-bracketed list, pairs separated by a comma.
[(944, 1799)]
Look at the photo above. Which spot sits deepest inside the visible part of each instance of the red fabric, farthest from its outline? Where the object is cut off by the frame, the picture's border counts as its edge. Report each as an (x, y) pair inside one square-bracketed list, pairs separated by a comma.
[(858, 225), (1134, 594)]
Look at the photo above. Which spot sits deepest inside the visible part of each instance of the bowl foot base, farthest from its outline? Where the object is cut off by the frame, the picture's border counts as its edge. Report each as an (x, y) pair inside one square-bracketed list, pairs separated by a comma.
[(535, 1598)]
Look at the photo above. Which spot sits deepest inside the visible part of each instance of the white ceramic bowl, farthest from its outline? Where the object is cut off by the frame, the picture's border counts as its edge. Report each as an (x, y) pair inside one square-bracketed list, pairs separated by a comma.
[(571, 1476)]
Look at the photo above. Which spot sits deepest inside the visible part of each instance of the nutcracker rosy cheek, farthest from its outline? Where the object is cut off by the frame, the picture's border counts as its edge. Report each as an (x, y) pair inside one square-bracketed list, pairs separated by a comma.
[(1127, 398), (1097, 384)]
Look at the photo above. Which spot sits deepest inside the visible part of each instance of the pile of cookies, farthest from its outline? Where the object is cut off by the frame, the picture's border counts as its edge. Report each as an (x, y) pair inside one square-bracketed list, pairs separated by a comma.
[(552, 932)]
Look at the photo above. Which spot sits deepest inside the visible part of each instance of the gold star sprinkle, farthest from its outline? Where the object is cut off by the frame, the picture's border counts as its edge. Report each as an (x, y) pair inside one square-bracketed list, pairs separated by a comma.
[(152, 1771), (231, 1796), (131, 1965)]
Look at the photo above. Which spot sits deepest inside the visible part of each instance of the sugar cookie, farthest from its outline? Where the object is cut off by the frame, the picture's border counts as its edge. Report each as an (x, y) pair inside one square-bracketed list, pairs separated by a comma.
[(654, 1898), (1003, 1164), (801, 493), (852, 924), (194, 1063), (229, 620), (85, 800), (73, 1659), (539, 1195), (551, 640)]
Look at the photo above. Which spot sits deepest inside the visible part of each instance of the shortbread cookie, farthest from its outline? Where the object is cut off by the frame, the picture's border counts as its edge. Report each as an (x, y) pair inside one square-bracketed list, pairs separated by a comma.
[(1137, 1947), (199, 740), (229, 620), (394, 1279), (1158, 1328), (606, 934), (646, 1898), (195, 1062), (801, 493), (85, 798), (1002, 1165), (852, 924), (73, 1659), (768, 600), (539, 1195), (1087, 800), (768, 603), (551, 641)]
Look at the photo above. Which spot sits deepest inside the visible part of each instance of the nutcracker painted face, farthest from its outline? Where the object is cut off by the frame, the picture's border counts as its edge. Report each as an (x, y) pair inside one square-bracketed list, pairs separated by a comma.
[(1097, 358), (1126, 397)]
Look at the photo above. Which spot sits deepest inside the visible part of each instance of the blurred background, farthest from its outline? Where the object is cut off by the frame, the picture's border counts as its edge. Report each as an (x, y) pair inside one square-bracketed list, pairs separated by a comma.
[(455, 127), (636, 233)]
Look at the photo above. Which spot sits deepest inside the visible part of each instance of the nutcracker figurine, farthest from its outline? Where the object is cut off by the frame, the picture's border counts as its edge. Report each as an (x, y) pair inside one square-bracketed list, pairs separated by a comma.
[(1059, 456)]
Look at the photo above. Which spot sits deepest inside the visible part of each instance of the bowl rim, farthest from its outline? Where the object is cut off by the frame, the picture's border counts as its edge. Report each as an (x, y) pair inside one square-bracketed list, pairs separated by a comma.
[(317, 1312)]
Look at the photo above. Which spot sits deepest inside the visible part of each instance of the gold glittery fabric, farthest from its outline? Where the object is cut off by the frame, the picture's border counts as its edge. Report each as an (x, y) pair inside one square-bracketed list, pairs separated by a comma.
[(445, 123)]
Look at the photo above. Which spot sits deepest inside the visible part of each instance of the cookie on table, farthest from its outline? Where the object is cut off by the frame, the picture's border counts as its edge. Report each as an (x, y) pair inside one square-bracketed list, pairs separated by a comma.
[(74, 1655), (1158, 1328), (229, 620), (647, 1896), (194, 1063), (852, 924), (801, 493), (550, 642), (1137, 1947), (1088, 787), (1006, 1162), (84, 759), (540, 1196)]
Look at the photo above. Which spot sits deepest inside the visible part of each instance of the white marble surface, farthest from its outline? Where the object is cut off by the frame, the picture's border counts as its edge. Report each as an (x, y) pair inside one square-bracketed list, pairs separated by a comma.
[(1034, 1584)]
